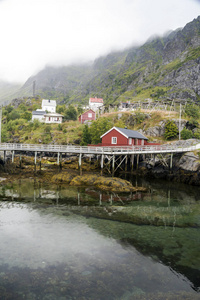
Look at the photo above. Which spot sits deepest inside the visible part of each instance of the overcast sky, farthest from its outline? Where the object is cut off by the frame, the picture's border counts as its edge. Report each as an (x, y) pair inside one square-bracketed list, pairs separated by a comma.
[(36, 33)]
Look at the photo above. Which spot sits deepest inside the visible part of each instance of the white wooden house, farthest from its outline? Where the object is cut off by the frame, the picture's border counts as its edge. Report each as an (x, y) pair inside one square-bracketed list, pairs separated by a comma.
[(95, 103), (38, 115), (49, 105), (53, 118)]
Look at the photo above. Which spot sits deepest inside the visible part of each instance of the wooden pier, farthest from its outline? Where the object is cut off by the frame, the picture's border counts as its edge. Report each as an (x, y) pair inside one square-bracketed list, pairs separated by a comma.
[(110, 157)]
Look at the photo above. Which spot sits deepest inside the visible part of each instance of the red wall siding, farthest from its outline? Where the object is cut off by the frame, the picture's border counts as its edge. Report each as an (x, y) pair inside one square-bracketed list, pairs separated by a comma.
[(84, 117), (107, 139), (121, 139)]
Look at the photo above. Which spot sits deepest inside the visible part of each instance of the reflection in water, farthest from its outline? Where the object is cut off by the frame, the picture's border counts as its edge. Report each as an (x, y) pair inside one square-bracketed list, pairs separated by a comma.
[(48, 252)]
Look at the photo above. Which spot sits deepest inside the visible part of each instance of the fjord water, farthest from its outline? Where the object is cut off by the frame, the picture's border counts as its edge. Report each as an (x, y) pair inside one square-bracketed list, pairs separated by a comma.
[(51, 249)]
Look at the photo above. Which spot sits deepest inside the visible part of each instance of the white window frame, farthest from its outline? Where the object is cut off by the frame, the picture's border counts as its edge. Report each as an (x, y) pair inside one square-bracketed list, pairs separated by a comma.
[(130, 141), (114, 140), (89, 115)]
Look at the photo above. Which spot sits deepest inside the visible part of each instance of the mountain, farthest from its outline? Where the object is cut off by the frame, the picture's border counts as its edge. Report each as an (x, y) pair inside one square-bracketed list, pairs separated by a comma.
[(7, 91), (163, 68)]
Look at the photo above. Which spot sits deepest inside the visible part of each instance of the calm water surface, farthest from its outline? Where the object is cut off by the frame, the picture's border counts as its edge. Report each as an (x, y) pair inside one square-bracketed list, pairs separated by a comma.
[(49, 252)]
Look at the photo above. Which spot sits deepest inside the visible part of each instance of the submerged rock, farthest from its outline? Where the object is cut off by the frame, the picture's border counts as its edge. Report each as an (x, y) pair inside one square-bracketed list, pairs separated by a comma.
[(112, 184), (63, 178)]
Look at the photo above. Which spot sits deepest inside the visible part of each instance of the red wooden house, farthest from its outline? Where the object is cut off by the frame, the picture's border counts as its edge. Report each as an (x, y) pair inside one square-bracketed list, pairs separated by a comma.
[(123, 137), (89, 115)]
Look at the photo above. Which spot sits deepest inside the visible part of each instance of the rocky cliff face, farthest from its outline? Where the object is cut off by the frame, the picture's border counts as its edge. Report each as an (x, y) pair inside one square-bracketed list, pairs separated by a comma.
[(170, 63)]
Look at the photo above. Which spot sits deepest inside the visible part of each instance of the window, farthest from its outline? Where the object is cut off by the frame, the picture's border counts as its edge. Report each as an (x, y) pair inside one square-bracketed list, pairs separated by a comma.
[(89, 115), (130, 141), (114, 140)]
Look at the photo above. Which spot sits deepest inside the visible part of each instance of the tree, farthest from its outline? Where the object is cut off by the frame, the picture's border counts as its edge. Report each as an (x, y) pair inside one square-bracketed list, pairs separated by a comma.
[(98, 128), (70, 113), (171, 131), (26, 115), (186, 134), (80, 109), (13, 115), (86, 136), (60, 109)]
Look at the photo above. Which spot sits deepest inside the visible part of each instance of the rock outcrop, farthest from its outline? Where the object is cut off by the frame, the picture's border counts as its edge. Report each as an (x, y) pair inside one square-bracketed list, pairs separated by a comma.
[(112, 184)]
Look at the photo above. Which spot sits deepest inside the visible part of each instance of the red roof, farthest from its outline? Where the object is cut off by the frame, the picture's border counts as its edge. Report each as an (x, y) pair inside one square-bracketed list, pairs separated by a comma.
[(96, 100)]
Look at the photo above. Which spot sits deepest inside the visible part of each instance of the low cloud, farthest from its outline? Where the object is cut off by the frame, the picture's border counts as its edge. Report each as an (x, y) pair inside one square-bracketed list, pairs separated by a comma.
[(35, 33)]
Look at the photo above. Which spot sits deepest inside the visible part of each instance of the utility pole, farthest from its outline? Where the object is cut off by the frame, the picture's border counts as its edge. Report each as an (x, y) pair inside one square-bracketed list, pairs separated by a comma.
[(34, 83), (180, 123)]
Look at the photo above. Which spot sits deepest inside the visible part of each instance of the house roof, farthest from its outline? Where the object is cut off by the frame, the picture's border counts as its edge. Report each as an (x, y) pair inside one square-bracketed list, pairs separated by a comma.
[(96, 100), (52, 115), (128, 133), (48, 102), (38, 112), (87, 111)]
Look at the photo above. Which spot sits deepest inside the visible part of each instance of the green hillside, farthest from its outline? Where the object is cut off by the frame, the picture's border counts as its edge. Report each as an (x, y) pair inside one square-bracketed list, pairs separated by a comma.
[(163, 68), (17, 126)]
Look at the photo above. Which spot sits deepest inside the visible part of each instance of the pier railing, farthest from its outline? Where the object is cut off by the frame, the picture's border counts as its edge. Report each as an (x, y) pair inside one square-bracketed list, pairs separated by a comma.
[(97, 150)]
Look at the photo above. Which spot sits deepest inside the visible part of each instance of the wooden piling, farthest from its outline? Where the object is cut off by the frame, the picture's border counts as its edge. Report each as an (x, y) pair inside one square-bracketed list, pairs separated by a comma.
[(113, 166), (126, 163), (58, 158), (35, 161), (80, 163), (132, 162), (171, 161), (20, 161), (138, 156), (13, 156), (102, 161)]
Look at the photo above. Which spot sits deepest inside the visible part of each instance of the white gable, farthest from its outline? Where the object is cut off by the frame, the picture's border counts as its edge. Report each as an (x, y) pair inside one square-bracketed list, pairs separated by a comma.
[(49, 105)]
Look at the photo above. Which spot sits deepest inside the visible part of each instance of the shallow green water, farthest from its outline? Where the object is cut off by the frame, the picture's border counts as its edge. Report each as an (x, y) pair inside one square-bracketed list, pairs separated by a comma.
[(50, 250)]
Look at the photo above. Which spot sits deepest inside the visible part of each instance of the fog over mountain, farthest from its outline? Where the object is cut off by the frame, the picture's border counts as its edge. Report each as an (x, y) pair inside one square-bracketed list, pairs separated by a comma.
[(61, 32)]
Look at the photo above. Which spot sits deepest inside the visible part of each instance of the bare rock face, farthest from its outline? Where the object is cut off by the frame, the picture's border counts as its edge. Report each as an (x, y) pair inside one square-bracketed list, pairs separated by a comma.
[(189, 162), (159, 130)]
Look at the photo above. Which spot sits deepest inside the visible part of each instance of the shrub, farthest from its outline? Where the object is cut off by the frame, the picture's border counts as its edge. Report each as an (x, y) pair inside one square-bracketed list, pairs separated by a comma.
[(186, 134), (60, 127), (197, 134), (36, 124), (13, 115), (48, 129), (192, 111), (171, 131), (26, 115)]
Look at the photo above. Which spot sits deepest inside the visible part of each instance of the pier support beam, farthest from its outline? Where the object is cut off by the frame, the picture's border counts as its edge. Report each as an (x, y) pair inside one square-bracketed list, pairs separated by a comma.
[(35, 161), (40, 161), (102, 160), (126, 163), (58, 158), (132, 162), (171, 160), (113, 166), (60, 161), (138, 156), (13, 156), (20, 161), (79, 163)]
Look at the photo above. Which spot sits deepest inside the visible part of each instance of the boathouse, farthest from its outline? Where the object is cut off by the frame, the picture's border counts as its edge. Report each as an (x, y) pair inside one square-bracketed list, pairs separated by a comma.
[(123, 137)]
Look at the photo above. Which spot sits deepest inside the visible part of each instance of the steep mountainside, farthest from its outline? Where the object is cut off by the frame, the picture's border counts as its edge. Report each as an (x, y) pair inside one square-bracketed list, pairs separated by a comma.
[(7, 91), (166, 67)]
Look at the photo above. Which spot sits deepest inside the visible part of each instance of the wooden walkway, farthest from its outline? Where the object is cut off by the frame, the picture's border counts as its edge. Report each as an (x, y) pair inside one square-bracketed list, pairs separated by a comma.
[(124, 150), (111, 158)]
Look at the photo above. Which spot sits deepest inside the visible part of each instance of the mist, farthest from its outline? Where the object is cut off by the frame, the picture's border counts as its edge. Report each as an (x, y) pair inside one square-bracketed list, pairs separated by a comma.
[(36, 33)]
